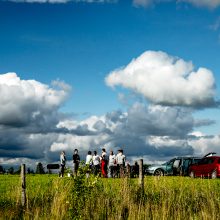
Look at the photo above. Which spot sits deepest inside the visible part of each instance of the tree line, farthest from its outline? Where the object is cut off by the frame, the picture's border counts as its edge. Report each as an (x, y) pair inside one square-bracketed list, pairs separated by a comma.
[(11, 170)]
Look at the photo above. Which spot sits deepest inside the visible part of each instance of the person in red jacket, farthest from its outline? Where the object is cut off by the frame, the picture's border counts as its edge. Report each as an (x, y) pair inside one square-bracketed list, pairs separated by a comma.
[(104, 163)]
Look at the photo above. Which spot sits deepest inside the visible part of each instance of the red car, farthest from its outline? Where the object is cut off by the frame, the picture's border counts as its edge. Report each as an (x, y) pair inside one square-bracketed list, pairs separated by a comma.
[(208, 166)]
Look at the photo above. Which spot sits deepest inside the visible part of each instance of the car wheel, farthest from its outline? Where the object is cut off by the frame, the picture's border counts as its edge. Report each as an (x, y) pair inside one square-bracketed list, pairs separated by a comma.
[(158, 172), (214, 174), (192, 174)]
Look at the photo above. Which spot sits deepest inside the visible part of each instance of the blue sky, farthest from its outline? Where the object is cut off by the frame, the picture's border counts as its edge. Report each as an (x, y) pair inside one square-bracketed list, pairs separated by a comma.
[(81, 43)]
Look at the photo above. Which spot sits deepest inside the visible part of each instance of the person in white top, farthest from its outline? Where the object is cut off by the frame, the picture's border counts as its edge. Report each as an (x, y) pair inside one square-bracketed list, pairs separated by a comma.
[(62, 163), (89, 159), (112, 164), (120, 159), (96, 163)]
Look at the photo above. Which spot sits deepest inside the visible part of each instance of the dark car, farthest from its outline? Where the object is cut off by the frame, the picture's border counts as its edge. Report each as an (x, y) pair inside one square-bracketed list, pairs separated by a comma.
[(208, 166), (176, 166)]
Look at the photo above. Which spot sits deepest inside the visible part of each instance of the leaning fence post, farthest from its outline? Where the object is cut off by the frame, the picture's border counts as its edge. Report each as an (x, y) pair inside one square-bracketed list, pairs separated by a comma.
[(141, 174), (23, 185)]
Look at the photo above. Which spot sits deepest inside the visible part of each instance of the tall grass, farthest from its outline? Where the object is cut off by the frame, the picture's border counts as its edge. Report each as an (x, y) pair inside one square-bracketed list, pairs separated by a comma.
[(50, 197)]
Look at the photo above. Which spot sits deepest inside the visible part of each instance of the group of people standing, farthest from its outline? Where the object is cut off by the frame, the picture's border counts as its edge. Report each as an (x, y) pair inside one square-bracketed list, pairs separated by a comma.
[(111, 164), (106, 165)]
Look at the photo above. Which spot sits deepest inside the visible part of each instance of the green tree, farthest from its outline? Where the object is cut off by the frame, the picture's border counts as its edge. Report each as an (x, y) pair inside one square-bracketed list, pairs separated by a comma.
[(11, 170), (40, 168), (30, 171), (1, 169), (18, 171)]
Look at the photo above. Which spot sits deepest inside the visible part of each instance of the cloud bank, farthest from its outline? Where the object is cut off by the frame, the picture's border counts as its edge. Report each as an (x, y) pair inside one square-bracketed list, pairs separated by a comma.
[(166, 80), (131, 130), (151, 132)]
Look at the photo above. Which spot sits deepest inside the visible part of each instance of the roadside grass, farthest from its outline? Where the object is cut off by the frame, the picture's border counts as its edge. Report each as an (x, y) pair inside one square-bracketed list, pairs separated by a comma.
[(50, 197)]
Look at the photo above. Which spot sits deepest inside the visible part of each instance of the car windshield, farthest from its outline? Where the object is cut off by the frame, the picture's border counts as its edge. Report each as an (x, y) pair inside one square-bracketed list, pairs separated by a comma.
[(196, 161), (170, 162)]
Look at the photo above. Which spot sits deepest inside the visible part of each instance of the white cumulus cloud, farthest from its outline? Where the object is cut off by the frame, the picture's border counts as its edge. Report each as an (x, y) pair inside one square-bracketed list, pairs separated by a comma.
[(168, 80), (22, 101)]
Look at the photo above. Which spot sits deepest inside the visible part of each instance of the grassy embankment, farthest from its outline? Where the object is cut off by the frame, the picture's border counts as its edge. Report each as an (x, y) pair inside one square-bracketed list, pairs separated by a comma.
[(50, 197)]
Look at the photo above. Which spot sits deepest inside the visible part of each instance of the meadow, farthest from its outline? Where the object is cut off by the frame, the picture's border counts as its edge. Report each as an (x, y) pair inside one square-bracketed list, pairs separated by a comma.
[(51, 197)]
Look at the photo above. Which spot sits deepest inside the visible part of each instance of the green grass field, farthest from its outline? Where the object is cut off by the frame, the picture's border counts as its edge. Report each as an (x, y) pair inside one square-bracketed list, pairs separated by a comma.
[(50, 197)]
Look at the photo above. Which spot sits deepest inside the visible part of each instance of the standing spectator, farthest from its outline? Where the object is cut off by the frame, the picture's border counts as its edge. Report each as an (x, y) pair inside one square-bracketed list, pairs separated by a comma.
[(96, 163), (112, 164), (76, 161), (120, 158), (88, 163), (62, 163), (89, 159), (104, 163)]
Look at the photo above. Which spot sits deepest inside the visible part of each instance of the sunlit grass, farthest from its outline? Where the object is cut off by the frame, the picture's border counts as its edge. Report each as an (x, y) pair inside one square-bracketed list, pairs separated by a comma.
[(50, 197)]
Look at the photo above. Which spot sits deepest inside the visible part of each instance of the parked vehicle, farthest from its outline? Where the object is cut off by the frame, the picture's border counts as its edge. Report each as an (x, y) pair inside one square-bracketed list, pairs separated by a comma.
[(176, 166), (208, 166)]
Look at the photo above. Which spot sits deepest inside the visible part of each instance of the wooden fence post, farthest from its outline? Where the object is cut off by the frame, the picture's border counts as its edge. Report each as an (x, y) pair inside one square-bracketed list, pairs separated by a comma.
[(23, 185), (128, 171), (141, 174)]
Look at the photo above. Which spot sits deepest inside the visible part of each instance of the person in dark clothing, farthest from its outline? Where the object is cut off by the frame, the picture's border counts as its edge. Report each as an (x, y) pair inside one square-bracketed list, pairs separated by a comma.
[(76, 161)]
